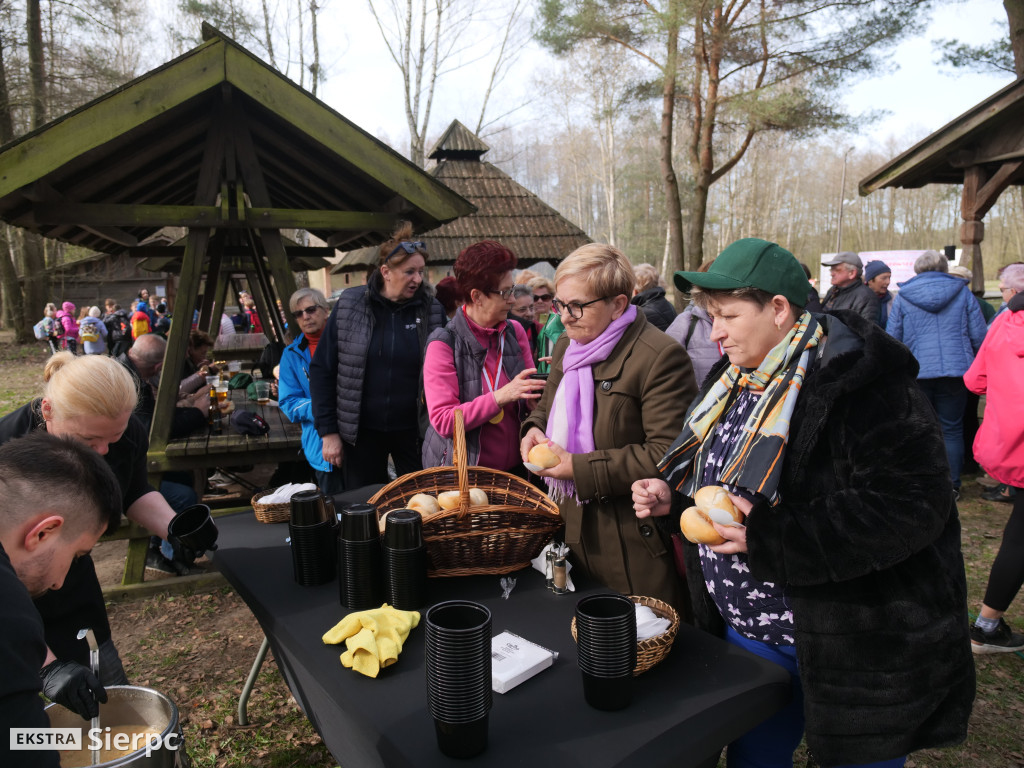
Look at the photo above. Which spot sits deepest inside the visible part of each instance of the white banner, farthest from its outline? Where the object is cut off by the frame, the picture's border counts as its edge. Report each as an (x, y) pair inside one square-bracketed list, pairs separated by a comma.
[(36, 739)]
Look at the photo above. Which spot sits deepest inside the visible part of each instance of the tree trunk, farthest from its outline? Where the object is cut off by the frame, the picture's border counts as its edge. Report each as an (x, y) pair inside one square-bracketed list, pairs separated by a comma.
[(1015, 15), (673, 204)]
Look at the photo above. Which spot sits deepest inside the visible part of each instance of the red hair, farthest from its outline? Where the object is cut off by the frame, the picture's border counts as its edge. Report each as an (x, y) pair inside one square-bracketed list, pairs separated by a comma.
[(447, 291), (481, 266)]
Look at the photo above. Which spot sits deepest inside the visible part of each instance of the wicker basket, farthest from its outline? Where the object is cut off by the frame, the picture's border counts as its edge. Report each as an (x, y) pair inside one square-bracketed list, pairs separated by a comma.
[(501, 537), (651, 651), (271, 513)]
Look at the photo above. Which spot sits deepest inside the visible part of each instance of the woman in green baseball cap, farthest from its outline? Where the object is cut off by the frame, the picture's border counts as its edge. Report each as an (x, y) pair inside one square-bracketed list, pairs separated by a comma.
[(847, 571)]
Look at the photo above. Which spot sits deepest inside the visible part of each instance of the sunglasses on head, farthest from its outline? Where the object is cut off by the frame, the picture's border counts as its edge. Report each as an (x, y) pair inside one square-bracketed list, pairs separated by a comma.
[(542, 297), (408, 247), (308, 311)]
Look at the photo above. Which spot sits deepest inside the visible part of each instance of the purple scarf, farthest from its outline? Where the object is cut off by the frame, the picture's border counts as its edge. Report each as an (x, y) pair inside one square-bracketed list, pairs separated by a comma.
[(571, 420)]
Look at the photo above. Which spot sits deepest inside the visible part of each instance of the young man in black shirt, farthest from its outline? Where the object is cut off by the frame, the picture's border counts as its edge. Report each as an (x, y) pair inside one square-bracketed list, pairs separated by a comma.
[(44, 527)]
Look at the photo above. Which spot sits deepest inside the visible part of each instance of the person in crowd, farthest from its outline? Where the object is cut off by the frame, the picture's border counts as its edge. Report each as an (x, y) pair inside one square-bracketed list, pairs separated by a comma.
[(53, 328), (692, 329), (1011, 284), (973, 402), (649, 295), (119, 328), (480, 363), (93, 333), (365, 376), (616, 397), (999, 449), (66, 317), (147, 307), (1007, 292), (44, 527), (140, 319), (964, 273), (162, 326), (877, 276), (91, 399), (848, 290), (252, 316), (543, 292), (197, 364), (227, 326), (847, 570), (447, 292), (523, 310), (813, 299), (310, 309), (938, 318), (550, 323)]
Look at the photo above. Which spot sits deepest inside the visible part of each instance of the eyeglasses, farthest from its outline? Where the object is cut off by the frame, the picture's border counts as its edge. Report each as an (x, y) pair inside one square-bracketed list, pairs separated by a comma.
[(506, 294), (408, 247), (308, 311), (542, 297), (574, 308)]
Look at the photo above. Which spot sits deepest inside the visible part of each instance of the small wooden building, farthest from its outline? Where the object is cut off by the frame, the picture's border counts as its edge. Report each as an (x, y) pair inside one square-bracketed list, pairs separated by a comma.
[(506, 211)]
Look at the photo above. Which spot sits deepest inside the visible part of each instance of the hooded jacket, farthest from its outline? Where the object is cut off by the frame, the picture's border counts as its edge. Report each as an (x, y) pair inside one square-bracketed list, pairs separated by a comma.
[(996, 373), (295, 400), (659, 310), (937, 317), (692, 328), (866, 541), (66, 317)]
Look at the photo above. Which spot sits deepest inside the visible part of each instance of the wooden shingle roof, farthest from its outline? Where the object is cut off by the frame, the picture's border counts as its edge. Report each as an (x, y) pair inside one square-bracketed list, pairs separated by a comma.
[(506, 211)]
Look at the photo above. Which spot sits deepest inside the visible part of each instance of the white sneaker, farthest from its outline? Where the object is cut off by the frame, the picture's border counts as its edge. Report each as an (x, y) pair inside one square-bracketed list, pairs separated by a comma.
[(219, 479)]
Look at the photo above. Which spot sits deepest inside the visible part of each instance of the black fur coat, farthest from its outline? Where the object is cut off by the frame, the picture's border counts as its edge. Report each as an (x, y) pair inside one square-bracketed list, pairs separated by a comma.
[(866, 538)]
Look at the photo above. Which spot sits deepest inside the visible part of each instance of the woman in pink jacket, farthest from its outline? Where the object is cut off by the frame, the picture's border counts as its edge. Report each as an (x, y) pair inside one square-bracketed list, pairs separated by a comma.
[(998, 373), (66, 317)]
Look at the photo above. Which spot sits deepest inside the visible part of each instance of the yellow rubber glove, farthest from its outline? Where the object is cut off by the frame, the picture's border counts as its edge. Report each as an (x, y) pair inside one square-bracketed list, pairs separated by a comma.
[(377, 632)]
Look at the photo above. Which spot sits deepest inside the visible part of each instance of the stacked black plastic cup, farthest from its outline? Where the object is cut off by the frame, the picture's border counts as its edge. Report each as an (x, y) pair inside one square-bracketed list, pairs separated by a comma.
[(458, 664), (313, 534), (360, 577), (606, 649), (405, 560)]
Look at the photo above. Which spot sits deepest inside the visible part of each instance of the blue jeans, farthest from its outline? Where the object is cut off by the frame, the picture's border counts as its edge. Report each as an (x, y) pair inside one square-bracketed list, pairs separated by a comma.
[(179, 496), (771, 743), (948, 397)]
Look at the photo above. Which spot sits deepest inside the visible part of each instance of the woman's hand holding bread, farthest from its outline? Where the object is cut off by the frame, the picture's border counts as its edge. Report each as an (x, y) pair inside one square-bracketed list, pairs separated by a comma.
[(716, 520)]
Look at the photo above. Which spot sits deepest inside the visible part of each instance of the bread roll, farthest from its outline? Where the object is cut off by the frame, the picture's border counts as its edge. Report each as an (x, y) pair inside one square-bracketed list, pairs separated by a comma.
[(425, 504), (477, 498), (713, 504), (542, 456), (448, 499)]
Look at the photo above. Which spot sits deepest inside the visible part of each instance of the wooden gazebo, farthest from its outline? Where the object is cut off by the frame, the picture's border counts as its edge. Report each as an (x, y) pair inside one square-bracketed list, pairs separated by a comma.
[(506, 211), (219, 143), (982, 149)]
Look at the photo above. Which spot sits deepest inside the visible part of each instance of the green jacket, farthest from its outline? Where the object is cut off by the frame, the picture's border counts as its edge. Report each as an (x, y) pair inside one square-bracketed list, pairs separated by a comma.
[(546, 340)]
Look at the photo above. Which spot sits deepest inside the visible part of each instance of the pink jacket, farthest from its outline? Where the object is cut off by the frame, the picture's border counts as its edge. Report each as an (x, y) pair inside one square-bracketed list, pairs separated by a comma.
[(66, 316), (998, 373)]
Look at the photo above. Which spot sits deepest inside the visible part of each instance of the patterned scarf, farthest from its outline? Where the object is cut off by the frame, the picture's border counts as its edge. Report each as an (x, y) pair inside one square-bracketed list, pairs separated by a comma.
[(754, 460), (571, 421)]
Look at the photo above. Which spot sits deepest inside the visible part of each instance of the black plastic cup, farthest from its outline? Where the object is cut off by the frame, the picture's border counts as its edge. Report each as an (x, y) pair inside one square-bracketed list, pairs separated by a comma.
[(359, 523), (360, 575), (405, 577), (458, 675), (462, 740), (403, 529), (608, 693), (308, 508), (194, 528), (314, 553)]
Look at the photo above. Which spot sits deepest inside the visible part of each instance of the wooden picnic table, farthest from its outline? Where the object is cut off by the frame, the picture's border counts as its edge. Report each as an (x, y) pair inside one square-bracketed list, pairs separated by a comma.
[(240, 346)]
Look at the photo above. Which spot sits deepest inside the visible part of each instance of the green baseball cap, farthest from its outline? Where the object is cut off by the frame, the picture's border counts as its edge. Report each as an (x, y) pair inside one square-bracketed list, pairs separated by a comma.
[(752, 263)]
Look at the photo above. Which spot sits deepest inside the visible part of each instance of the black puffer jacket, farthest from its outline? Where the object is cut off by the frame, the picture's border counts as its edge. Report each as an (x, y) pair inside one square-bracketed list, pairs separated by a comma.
[(659, 310), (337, 373), (866, 540)]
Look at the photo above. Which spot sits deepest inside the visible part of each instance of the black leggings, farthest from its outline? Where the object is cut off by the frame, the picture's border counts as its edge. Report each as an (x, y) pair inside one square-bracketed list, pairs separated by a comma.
[(366, 462), (1007, 575)]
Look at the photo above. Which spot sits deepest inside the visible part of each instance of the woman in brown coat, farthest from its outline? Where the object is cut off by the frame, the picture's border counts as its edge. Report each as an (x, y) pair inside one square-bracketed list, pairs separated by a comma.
[(615, 400)]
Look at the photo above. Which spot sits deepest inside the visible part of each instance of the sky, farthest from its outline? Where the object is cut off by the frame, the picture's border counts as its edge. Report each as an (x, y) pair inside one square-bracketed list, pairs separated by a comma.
[(920, 97)]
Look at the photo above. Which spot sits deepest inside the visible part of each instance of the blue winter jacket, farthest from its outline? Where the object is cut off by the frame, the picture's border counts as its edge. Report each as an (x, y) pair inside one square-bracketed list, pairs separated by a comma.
[(937, 316), (295, 402)]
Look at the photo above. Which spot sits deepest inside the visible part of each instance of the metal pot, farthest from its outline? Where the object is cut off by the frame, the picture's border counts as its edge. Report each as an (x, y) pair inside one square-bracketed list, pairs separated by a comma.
[(132, 705)]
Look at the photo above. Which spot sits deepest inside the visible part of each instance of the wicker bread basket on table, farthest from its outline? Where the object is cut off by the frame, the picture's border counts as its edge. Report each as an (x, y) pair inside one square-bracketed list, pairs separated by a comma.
[(271, 513), (652, 650), (501, 537)]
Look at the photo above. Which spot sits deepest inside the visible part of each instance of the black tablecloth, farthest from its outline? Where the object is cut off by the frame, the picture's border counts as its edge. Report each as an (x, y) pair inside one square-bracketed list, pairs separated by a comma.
[(703, 695)]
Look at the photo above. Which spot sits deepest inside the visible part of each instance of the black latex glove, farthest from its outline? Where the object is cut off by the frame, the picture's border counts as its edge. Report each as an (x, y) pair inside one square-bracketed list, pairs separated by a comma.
[(198, 541), (183, 555), (74, 686)]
